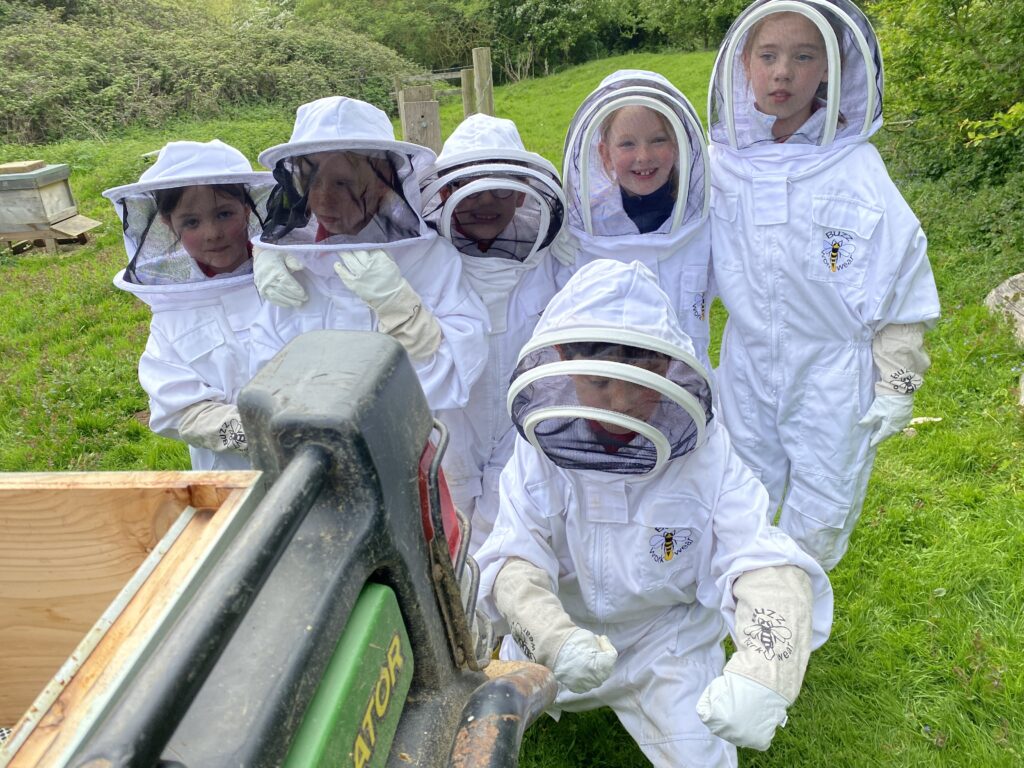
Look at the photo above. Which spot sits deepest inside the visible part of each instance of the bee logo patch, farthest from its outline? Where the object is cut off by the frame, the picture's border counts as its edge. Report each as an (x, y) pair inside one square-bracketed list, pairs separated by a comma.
[(699, 307), (837, 250), (666, 543), (524, 639)]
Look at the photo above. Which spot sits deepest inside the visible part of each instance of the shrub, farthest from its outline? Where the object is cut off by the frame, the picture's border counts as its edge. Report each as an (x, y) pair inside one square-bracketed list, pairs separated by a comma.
[(112, 65)]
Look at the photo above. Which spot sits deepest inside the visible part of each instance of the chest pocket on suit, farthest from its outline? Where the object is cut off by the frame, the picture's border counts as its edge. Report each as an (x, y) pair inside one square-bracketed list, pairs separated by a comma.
[(841, 249), (199, 343), (666, 551), (727, 240)]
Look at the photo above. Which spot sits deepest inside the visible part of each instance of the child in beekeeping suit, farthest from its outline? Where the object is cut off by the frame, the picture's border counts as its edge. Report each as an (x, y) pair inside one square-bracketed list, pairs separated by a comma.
[(630, 537), (346, 248), (637, 188), (187, 228), (818, 259), (501, 206)]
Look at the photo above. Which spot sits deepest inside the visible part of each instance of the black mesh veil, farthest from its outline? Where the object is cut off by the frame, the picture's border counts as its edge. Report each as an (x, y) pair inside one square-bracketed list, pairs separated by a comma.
[(610, 407), (494, 209), (341, 196)]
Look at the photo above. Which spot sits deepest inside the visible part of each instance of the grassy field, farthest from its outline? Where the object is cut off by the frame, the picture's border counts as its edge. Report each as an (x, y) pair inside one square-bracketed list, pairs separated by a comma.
[(925, 666)]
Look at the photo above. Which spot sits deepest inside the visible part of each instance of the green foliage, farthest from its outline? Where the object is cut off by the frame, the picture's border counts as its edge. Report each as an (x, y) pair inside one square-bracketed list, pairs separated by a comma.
[(116, 64), (438, 34), (696, 24), (953, 66)]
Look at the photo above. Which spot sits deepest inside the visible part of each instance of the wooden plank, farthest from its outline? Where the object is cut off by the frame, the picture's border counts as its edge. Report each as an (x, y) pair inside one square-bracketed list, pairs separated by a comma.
[(22, 166), (468, 93), (74, 226), (57, 726), (483, 80)]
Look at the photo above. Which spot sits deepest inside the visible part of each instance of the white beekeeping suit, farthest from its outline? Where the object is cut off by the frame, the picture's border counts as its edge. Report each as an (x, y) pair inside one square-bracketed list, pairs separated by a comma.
[(501, 206), (630, 537), (819, 261), (597, 223), (196, 358), (346, 248)]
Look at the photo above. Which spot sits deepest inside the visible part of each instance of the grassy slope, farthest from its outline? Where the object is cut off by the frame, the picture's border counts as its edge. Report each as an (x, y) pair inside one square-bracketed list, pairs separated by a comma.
[(926, 662)]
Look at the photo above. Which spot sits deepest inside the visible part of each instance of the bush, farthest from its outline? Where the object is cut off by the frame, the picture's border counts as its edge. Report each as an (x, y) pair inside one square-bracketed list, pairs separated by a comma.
[(109, 66)]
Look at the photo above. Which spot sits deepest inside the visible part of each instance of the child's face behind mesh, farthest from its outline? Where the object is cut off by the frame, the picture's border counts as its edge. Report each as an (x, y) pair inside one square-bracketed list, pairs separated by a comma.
[(616, 395), (213, 227), (346, 190), (785, 62), (638, 149), (483, 216)]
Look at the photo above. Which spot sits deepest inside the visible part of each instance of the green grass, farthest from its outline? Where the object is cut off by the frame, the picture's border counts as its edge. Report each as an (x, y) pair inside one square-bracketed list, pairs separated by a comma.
[(925, 666)]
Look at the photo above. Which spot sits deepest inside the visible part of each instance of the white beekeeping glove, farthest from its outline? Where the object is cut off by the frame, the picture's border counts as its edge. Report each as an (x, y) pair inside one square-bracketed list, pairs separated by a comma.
[(375, 278), (579, 659), (887, 415), (584, 661), (215, 426), (748, 701), (272, 272)]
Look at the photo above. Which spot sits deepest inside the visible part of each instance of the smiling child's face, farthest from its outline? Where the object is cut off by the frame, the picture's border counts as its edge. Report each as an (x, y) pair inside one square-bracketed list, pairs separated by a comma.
[(638, 149)]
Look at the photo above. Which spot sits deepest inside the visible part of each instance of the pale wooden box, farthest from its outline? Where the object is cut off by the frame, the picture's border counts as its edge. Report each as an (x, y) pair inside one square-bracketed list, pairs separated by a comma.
[(91, 565), (35, 199)]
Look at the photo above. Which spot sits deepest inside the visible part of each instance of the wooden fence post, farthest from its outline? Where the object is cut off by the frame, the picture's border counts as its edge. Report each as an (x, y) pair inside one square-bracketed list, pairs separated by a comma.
[(420, 117), (483, 80), (468, 92)]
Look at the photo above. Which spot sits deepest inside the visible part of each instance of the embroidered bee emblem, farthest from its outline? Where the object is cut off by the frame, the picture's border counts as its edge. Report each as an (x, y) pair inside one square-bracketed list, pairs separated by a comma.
[(669, 542), (837, 250), (524, 639), (699, 306), (768, 635)]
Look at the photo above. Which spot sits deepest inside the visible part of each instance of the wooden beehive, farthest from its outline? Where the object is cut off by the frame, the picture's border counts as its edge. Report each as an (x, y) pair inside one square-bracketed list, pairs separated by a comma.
[(36, 202), (91, 565)]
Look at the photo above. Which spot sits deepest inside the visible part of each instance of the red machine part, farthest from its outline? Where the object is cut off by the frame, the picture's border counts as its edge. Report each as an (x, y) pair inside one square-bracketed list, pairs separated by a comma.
[(451, 524)]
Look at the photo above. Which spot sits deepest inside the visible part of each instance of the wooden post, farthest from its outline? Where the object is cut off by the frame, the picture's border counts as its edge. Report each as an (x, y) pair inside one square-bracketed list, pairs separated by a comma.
[(468, 92), (410, 94), (483, 80), (422, 124)]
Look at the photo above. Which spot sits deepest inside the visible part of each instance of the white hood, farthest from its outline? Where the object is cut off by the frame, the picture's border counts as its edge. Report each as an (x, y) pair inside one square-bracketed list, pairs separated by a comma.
[(594, 200), (157, 261), (850, 106), (614, 304), (341, 124), (485, 154)]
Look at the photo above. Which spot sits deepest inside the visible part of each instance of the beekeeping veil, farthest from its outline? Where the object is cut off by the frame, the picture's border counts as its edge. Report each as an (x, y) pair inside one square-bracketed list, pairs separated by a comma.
[(848, 107), (156, 255), (592, 195), (485, 173), (611, 324), (343, 151)]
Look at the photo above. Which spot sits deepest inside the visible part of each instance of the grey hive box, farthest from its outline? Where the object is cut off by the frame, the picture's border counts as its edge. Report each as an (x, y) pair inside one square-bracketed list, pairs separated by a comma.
[(36, 203)]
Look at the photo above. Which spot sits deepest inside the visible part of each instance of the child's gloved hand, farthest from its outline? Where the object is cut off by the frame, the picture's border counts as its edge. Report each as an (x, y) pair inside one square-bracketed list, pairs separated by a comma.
[(272, 271), (741, 711), (374, 277), (888, 415), (584, 661), (212, 425)]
